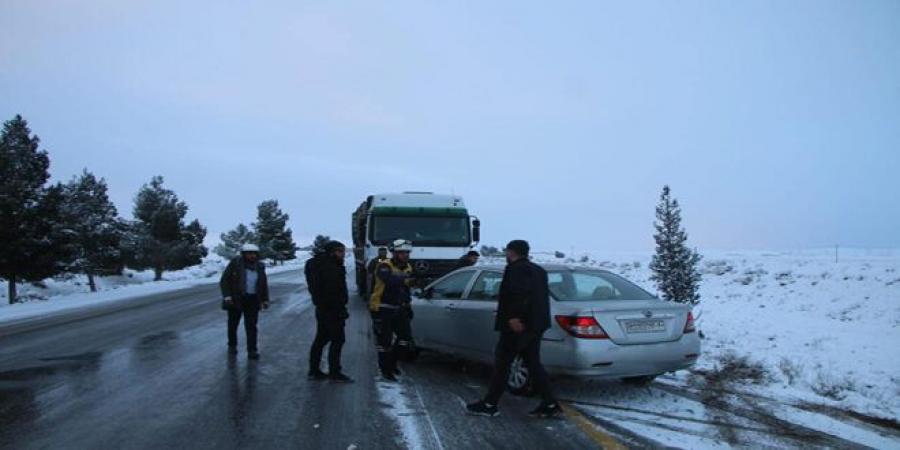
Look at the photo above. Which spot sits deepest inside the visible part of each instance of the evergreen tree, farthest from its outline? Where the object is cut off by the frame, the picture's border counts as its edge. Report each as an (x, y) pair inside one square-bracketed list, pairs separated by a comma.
[(34, 239), (275, 240), (674, 265), (158, 238), (318, 245), (233, 240), (95, 225)]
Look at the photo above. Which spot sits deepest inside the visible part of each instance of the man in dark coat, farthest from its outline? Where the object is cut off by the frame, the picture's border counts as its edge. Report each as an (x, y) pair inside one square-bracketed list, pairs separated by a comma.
[(467, 260), (326, 278), (245, 291), (523, 315)]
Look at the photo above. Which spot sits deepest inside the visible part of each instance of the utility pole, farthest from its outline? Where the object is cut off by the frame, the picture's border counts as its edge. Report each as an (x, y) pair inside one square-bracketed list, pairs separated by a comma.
[(835, 252)]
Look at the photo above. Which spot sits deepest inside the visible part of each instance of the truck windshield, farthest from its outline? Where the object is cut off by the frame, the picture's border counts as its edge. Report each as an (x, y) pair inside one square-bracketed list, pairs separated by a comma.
[(421, 230)]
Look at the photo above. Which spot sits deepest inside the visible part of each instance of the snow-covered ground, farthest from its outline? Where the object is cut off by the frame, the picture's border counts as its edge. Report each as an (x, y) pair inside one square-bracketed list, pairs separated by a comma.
[(794, 324), (65, 293)]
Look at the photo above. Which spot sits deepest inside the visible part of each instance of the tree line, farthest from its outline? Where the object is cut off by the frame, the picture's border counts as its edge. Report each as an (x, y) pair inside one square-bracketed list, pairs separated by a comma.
[(73, 227)]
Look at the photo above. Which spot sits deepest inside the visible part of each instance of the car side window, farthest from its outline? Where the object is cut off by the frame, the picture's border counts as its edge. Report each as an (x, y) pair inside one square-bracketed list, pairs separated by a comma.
[(453, 286), (487, 287)]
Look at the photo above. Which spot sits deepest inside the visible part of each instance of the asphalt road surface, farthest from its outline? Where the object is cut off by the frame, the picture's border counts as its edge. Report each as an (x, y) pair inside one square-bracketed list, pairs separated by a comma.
[(158, 376), (155, 373)]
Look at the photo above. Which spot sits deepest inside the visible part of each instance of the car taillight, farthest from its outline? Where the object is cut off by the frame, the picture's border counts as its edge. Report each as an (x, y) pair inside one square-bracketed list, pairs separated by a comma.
[(689, 325), (582, 327)]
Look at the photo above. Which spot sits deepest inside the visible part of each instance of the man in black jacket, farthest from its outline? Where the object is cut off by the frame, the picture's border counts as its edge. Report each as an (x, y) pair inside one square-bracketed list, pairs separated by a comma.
[(245, 290), (523, 315), (467, 260), (326, 278)]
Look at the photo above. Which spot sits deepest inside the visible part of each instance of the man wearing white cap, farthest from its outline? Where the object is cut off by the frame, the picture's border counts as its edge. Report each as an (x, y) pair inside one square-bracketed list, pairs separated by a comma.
[(245, 290)]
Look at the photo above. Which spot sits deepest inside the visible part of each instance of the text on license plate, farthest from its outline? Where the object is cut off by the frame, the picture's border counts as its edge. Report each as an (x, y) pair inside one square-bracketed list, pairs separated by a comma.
[(645, 326)]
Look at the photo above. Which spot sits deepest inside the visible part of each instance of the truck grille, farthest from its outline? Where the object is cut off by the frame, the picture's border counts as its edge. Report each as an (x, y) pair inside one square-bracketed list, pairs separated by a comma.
[(432, 268)]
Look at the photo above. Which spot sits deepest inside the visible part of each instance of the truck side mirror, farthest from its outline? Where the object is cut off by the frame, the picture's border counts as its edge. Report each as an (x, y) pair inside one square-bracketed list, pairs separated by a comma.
[(476, 230)]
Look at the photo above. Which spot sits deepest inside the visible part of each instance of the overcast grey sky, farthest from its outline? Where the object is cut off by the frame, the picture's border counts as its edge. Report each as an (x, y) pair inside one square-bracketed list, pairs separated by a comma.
[(777, 124)]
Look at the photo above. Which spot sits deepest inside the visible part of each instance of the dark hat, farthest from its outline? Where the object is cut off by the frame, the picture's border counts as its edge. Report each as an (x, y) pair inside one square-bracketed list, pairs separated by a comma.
[(331, 246), (519, 246)]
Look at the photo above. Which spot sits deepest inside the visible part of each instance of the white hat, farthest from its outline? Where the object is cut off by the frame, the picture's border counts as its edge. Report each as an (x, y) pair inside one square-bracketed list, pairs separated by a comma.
[(401, 245), (249, 248)]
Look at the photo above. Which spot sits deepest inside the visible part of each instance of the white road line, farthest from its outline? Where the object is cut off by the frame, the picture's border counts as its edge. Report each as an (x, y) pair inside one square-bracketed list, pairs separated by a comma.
[(434, 432)]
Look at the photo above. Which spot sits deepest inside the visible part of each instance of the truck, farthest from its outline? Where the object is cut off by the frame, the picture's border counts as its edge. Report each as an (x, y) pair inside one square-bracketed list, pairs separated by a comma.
[(439, 226)]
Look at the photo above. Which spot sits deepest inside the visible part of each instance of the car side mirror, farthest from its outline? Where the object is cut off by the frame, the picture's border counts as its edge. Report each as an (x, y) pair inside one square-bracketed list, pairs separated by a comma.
[(427, 293)]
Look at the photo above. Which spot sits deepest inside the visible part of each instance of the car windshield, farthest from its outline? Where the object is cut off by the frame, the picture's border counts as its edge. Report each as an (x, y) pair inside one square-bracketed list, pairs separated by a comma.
[(590, 285), (421, 230)]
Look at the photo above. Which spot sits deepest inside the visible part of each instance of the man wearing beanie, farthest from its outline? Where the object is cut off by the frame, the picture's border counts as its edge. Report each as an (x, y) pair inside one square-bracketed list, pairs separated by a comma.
[(523, 315), (326, 279)]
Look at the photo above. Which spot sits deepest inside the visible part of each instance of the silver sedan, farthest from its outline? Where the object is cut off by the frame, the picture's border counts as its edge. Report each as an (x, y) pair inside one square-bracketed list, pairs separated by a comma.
[(603, 326)]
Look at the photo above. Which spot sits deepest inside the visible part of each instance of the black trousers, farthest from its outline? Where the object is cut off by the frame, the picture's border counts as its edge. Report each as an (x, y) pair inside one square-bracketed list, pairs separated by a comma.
[(509, 346), (248, 308), (388, 323), (329, 331)]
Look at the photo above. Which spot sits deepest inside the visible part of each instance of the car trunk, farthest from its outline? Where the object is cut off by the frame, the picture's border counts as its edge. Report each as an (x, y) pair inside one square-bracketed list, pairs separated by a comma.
[(629, 322)]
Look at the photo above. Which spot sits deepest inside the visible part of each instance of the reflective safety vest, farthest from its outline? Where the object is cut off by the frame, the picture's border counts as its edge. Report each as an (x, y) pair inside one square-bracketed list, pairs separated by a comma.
[(395, 291)]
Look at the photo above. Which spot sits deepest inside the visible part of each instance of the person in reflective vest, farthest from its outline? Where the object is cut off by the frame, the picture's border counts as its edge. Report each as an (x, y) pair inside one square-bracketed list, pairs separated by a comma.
[(390, 308)]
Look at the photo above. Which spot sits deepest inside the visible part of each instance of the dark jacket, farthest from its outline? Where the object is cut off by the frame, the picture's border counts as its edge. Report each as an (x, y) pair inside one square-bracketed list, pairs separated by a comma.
[(463, 262), (524, 295), (233, 281), (326, 279)]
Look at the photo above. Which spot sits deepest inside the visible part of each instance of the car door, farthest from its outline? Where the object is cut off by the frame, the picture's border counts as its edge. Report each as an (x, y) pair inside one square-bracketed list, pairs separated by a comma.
[(478, 313), (441, 309)]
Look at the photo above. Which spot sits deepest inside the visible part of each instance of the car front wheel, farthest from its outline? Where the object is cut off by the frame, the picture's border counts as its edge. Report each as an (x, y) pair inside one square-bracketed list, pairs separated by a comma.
[(639, 381)]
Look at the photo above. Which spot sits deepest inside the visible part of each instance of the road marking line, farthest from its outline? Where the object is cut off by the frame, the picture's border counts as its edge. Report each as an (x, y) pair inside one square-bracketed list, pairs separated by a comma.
[(434, 433), (606, 441)]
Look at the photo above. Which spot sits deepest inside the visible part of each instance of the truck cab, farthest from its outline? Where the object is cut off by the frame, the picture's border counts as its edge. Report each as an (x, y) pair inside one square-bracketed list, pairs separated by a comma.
[(439, 226)]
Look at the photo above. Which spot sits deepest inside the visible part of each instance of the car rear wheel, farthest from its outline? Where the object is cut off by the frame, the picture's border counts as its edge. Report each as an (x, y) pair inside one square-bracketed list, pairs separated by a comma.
[(519, 380), (644, 380)]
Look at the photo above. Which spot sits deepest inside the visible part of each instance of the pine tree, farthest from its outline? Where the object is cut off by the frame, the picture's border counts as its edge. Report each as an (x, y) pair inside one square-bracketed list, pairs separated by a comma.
[(33, 239), (95, 225), (233, 240), (158, 239), (674, 265), (275, 240), (318, 245)]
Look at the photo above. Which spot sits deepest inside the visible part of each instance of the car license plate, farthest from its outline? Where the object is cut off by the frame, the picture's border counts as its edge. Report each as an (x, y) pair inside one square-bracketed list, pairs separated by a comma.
[(645, 326)]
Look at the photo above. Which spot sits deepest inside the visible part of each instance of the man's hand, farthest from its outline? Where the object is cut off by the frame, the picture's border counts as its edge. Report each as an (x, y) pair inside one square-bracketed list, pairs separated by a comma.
[(516, 325), (229, 301), (265, 305)]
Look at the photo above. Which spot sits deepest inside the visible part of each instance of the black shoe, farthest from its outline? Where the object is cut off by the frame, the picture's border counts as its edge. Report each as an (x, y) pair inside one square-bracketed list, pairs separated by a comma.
[(317, 375), (232, 349), (253, 355), (389, 377), (546, 410), (339, 378), (482, 408)]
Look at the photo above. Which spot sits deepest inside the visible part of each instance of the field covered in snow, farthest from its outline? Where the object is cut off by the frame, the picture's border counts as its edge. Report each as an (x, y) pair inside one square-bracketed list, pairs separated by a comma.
[(795, 324)]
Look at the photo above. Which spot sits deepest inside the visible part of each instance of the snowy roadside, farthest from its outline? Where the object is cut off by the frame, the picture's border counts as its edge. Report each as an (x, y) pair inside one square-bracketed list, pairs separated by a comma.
[(797, 326), (62, 295)]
